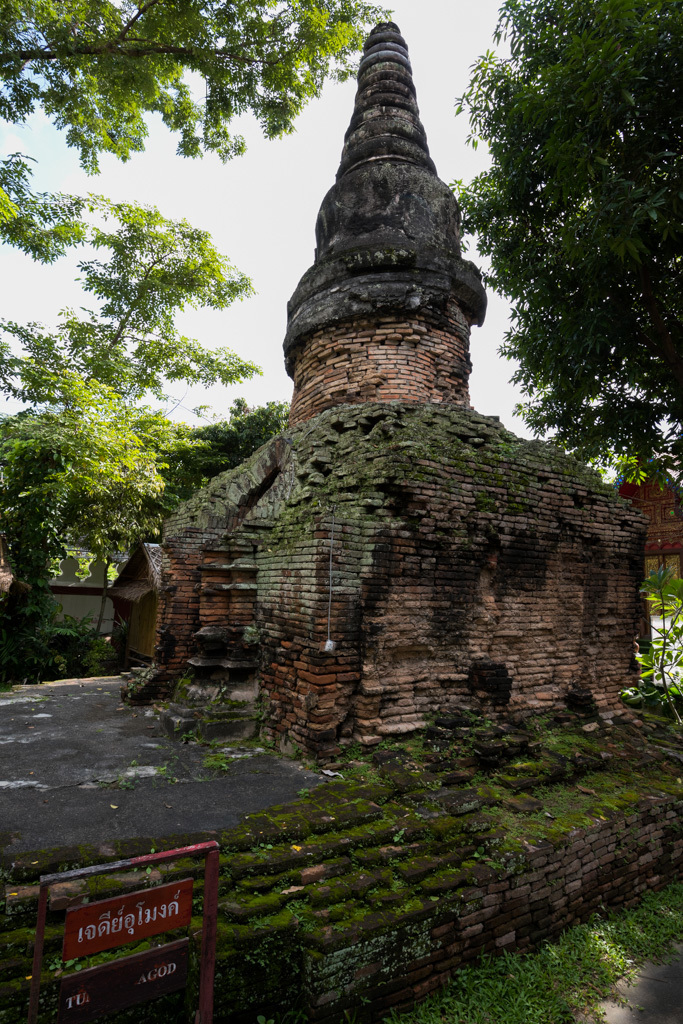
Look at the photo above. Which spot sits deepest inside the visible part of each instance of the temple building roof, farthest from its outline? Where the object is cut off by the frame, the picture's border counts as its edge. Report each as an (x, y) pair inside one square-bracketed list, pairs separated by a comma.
[(388, 231)]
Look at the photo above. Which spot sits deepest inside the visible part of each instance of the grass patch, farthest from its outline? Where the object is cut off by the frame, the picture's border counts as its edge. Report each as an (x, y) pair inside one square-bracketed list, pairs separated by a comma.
[(560, 980)]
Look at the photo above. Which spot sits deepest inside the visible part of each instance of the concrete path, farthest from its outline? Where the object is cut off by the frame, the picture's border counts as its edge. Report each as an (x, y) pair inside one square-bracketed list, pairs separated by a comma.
[(77, 766), (655, 998)]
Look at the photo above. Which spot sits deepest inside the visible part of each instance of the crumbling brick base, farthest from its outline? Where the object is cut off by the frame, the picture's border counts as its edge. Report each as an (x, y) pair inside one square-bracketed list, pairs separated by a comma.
[(468, 567)]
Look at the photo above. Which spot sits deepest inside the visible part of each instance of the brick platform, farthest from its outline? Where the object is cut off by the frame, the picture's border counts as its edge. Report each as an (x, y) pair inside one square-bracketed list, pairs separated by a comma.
[(468, 566)]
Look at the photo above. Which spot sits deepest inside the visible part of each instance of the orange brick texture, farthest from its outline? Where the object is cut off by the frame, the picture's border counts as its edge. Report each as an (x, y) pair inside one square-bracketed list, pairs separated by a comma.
[(468, 568), (386, 359)]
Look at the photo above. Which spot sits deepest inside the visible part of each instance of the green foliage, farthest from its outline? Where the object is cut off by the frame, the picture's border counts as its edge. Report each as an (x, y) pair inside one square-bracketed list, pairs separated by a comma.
[(581, 215), (53, 650), (97, 68), (153, 268), (87, 472), (85, 464), (38, 223), (84, 471), (221, 445), (662, 663)]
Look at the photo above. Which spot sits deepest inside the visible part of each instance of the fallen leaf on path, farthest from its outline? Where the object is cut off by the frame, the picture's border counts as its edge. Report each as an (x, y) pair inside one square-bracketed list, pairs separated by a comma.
[(114, 806), (168, 805)]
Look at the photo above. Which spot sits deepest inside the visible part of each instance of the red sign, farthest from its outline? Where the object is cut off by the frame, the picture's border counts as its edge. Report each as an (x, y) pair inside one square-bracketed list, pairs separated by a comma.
[(123, 983), (123, 919)]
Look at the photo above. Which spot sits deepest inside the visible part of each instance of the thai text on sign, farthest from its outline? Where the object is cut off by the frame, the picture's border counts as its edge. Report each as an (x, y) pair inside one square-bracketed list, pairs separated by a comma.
[(123, 983), (123, 919)]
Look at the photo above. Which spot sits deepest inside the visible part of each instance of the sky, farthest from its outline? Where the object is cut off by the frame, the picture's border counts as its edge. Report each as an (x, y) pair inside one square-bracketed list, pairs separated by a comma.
[(261, 210)]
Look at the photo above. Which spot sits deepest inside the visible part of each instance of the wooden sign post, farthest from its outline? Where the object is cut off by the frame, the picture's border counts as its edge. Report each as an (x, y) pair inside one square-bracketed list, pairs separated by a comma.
[(108, 924)]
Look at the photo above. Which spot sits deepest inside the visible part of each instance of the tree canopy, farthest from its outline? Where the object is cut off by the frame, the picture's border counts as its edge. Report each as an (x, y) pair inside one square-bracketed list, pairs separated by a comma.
[(219, 446), (149, 269), (581, 214), (97, 67), (87, 461)]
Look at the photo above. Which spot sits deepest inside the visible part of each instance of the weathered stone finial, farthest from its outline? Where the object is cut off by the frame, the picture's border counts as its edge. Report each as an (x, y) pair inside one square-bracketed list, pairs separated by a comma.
[(388, 246), (386, 120)]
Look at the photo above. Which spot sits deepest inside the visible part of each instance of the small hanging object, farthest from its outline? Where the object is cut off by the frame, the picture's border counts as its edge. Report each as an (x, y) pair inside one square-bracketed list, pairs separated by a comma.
[(330, 645)]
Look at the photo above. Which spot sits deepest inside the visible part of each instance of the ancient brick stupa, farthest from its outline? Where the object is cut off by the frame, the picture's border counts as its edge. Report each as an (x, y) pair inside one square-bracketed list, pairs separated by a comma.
[(393, 554)]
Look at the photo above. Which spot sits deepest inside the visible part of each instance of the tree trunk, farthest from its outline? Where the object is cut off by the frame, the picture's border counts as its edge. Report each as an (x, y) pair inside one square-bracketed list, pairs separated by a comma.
[(107, 563)]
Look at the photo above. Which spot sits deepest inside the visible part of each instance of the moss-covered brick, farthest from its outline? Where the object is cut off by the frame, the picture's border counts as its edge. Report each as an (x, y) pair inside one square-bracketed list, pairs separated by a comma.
[(257, 968), (441, 512), (400, 778), (352, 838), (521, 783), (262, 861), (330, 868), (408, 825), (347, 792), (263, 883), (266, 828), (417, 868), (444, 881), (475, 823), (460, 801), (328, 893), (355, 812), (246, 907), (383, 854)]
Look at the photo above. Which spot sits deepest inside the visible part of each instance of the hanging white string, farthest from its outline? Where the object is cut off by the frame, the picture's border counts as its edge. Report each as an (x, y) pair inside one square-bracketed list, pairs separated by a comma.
[(330, 645)]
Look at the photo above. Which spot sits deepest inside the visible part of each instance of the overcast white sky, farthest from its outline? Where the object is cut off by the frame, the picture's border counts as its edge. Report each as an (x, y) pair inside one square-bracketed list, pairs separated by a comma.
[(261, 208)]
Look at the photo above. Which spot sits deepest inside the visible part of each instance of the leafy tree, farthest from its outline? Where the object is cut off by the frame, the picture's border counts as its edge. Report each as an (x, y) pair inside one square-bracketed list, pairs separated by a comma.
[(84, 462), (153, 268), (230, 442), (219, 446), (97, 68), (93, 471), (581, 214), (85, 472)]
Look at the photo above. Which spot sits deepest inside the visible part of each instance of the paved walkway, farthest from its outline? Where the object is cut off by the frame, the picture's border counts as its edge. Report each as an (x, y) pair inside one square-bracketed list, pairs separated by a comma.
[(77, 766), (656, 997)]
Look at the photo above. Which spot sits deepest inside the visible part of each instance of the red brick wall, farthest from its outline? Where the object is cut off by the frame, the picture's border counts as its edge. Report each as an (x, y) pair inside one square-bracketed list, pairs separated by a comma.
[(468, 566), (382, 360)]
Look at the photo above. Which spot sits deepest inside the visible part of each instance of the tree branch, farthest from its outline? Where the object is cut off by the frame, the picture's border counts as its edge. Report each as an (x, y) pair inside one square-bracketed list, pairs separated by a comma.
[(664, 345), (141, 10), (118, 334), (112, 49)]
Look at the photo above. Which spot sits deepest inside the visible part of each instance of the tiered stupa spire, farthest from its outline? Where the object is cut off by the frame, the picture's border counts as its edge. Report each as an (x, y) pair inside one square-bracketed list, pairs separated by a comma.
[(388, 242)]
